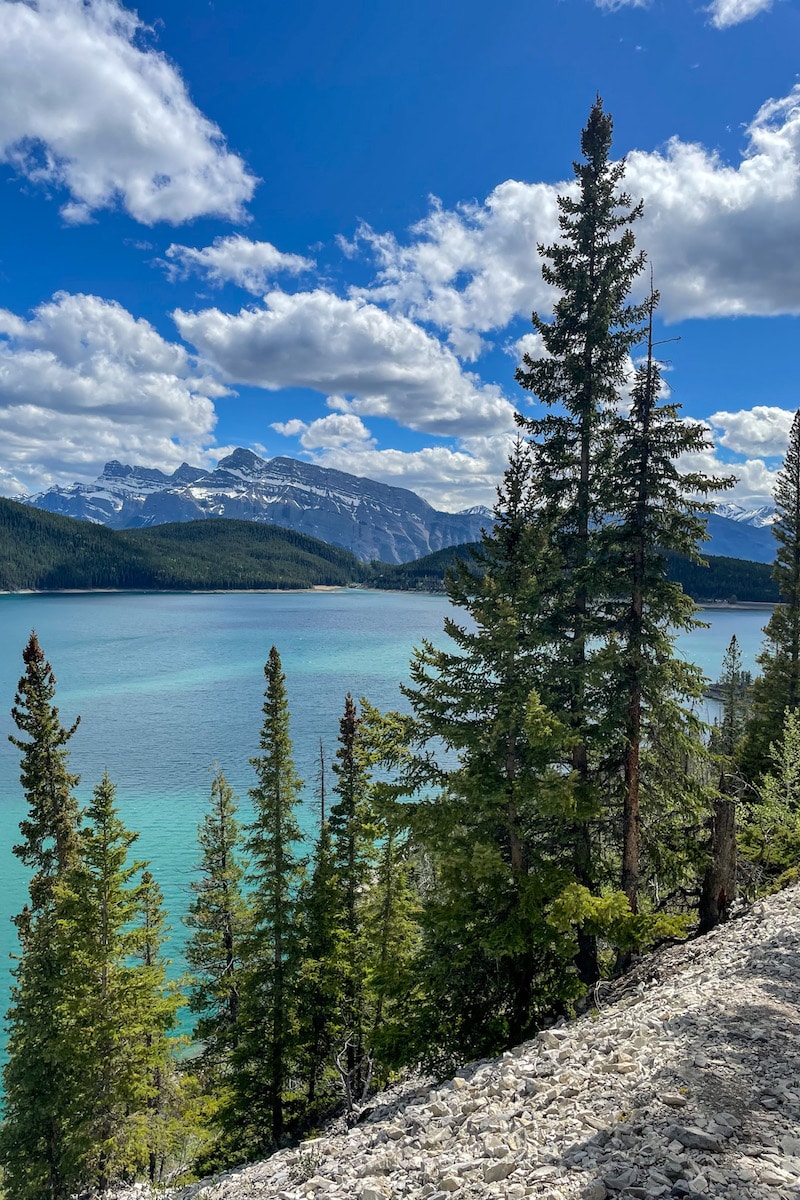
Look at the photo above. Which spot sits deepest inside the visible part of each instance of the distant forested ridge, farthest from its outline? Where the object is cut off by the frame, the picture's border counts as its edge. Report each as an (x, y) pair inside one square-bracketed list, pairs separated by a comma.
[(44, 551), (731, 579)]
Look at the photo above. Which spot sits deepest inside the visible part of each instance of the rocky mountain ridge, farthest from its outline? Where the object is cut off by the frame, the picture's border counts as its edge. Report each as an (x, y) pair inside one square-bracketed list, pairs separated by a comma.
[(682, 1081), (371, 519)]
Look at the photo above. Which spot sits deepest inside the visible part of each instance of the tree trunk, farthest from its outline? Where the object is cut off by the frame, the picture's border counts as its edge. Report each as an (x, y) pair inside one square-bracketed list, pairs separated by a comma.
[(719, 882)]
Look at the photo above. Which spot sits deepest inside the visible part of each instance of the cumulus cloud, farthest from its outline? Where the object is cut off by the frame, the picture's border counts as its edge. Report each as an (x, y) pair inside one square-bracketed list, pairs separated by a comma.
[(724, 239), (83, 381), (378, 363), (471, 269), (89, 107), (755, 482), (328, 433), (449, 478), (762, 430), (237, 260), (732, 12)]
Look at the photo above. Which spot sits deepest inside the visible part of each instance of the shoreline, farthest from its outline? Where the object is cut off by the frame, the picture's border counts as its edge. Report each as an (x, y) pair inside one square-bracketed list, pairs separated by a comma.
[(738, 606), (317, 587), (702, 605)]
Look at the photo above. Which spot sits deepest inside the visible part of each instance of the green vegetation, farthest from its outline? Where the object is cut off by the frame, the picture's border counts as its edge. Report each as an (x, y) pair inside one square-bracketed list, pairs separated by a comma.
[(218, 919), (44, 551), (89, 1060), (41, 551), (267, 1022), (777, 690), (714, 580), (549, 806)]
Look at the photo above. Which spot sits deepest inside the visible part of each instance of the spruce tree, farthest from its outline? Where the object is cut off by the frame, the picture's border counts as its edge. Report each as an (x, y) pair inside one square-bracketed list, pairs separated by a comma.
[(115, 1008), (217, 918), (320, 973), (770, 836), (37, 1077), (50, 831), (353, 840), (657, 509), (495, 827), (586, 349), (391, 921), (164, 1118), (778, 687), (268, 1020)]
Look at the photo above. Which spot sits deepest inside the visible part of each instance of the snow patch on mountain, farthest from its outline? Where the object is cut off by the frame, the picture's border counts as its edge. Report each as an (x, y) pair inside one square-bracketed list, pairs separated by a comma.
[(373, 520)]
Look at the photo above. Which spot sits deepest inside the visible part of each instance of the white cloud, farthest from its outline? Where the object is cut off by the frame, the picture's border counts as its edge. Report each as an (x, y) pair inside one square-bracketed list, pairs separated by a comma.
[(237, 260), (761, 430), (328, 433), (289, 428), (379, 364), (725, 13), (87, 106), (616, 5), (449, 479), (724, 239), (83, 381), (471, 269), (755, 482)]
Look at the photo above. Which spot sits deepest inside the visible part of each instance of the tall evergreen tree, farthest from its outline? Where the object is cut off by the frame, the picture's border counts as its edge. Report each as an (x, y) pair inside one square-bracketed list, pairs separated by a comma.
[(115, 1007), (164, 1106), (778, 687), (217, 918), (320, 978), (495, 832), (353, 840), (268, 1033), (37, 1078), (656, 509), (391, 920), (586, 349), (50, 831)]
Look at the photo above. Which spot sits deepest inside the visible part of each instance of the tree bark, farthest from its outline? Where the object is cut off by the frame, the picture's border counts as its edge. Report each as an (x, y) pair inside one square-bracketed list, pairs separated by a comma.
[(719, 882)]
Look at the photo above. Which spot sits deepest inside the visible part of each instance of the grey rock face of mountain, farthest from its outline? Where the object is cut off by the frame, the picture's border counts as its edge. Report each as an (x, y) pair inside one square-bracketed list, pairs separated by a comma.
[(735, 537), (373, 520)]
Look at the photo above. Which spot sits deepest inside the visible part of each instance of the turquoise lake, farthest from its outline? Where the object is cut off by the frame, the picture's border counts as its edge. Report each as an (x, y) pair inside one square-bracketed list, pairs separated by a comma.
[(168, 684)]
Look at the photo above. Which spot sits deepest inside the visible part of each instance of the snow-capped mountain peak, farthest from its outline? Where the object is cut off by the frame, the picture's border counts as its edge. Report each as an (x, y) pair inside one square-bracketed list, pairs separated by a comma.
[(374, 520), (763, 514)]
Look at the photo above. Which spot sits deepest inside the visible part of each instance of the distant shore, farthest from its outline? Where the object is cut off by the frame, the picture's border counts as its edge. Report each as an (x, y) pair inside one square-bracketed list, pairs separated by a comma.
[(317, 587), (747, 605), (705, 605)]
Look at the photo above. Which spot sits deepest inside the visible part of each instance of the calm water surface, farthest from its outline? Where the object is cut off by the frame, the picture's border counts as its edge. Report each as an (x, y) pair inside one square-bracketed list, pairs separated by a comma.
[(168, 684)]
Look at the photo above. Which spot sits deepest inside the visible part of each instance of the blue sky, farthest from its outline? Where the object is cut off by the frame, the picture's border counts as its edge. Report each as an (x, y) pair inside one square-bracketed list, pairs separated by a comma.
[(311, 229)]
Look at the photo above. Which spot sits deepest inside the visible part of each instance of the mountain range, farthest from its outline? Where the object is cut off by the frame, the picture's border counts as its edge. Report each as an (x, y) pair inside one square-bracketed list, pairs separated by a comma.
[(372, 520), (375, 521)]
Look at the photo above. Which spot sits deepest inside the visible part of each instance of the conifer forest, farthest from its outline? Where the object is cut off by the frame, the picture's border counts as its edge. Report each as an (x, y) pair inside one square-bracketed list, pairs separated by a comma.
[(548, 807)]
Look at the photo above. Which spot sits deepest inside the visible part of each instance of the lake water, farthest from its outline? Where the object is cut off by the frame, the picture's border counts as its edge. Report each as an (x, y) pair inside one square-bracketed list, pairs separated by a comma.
[(168, 684)]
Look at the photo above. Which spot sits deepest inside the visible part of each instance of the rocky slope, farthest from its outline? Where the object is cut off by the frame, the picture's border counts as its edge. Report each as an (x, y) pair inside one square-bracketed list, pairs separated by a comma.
[(683, 1081), (372, 520)]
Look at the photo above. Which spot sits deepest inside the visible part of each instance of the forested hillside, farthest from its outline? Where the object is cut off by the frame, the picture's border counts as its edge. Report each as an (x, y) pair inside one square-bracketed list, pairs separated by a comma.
[(43, 551), (730, 579)]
